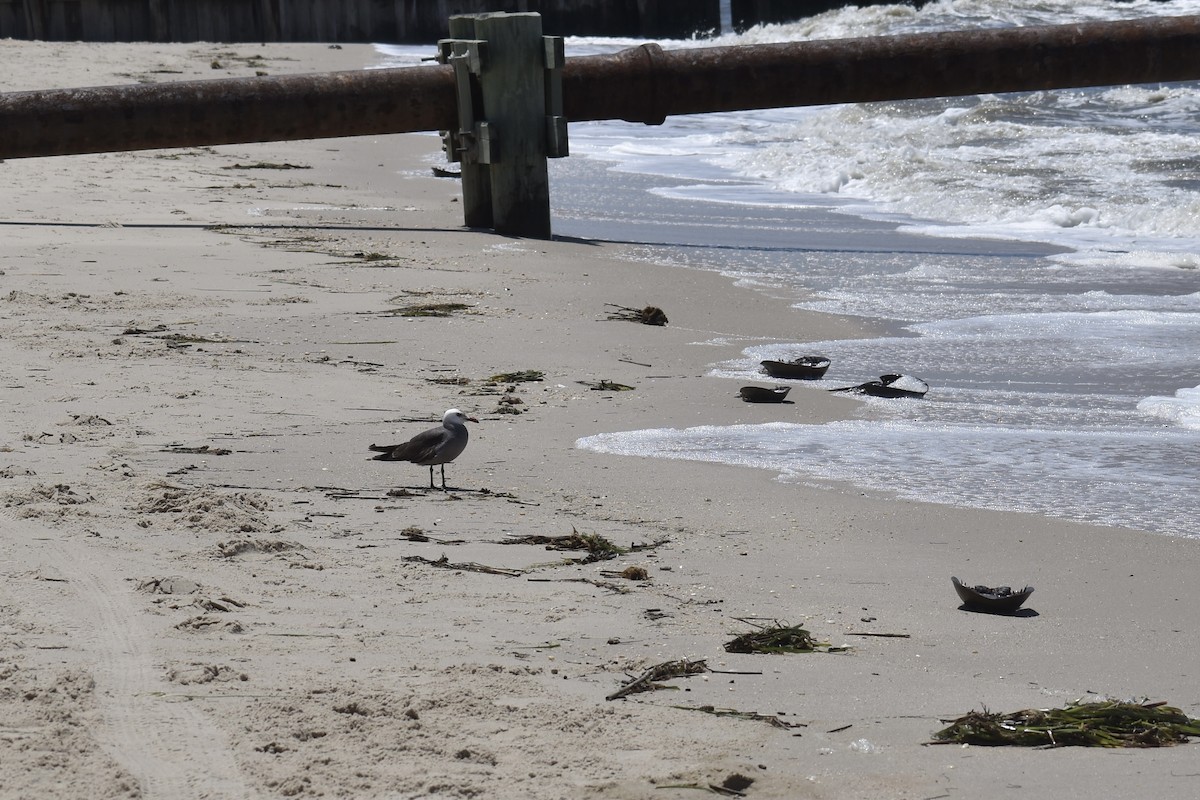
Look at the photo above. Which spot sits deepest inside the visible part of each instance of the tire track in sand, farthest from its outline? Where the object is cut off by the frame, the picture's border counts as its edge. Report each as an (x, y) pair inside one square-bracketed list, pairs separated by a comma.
[(172, 748)]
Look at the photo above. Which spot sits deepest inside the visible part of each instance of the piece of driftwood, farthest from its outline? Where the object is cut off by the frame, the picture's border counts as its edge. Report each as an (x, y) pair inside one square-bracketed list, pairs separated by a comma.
[(466, 566), (648, 681), (612, 587)]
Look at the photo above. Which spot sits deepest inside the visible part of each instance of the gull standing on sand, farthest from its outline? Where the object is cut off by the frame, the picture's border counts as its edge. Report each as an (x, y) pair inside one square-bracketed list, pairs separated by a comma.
[(434, 446)]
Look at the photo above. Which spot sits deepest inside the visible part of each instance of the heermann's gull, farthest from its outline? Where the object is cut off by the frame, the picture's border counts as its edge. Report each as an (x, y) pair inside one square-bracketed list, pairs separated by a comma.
[(435, 446)]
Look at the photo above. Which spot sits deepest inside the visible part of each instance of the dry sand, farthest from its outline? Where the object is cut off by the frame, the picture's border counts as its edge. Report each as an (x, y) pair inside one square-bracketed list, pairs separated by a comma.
[(246, 621)]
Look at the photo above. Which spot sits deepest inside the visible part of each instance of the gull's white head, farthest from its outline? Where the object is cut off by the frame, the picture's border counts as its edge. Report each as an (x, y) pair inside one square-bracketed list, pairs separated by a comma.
[(455, 416)]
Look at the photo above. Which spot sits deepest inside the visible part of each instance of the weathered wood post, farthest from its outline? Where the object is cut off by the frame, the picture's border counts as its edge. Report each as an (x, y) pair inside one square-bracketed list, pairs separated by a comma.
[(507, 79), (465, 53), (35, 19)]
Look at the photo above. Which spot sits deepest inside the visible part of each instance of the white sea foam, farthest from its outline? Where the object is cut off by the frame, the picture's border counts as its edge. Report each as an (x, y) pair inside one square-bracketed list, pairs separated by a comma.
[(1087, 475), (1183, 409), (1095, 169)]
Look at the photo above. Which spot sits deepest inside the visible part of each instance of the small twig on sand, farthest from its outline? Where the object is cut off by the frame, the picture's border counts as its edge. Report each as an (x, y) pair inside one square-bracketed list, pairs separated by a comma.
[(606, 385), (770, 719), (468, 566), (734, 785), (648, 680), (612, 587)]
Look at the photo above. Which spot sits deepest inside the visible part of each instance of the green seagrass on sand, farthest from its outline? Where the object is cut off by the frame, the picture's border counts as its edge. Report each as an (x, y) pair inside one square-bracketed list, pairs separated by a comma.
[(1107, 723)]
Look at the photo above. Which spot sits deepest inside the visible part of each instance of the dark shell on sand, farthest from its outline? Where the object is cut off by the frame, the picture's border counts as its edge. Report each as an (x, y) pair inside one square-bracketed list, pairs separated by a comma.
[(998, 599), (804, 368), (763, 394)]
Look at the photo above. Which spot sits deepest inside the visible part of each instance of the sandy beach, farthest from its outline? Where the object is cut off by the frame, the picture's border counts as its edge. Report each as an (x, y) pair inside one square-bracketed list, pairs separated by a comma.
[(210, 591)]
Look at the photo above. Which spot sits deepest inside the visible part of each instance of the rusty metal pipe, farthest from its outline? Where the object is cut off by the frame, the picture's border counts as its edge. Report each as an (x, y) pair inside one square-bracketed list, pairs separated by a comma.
[(644, 84), (191, 113), (647, 84)]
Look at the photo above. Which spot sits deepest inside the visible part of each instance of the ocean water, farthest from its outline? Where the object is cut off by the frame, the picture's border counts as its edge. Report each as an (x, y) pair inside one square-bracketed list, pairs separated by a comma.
[(1045, 279)]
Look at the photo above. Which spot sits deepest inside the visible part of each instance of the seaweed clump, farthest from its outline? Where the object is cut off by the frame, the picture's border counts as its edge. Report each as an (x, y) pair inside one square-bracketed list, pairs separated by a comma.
[(520, 376), (1101, 724), (650, 315), (596, 546), (779, 638), (428, 310)]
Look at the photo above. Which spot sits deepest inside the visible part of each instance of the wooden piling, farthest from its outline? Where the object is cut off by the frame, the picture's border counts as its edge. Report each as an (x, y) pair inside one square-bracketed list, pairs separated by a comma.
[(514, 103), (476, 177), (410, 21)]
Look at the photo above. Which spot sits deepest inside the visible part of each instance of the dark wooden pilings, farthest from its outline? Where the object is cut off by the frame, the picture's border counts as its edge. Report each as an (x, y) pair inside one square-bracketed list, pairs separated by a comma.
[(413, 21)]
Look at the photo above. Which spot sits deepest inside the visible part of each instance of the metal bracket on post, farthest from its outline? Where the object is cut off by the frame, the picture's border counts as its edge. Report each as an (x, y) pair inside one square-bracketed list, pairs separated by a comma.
[(556, 122), (467, 55), (508, 81)]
